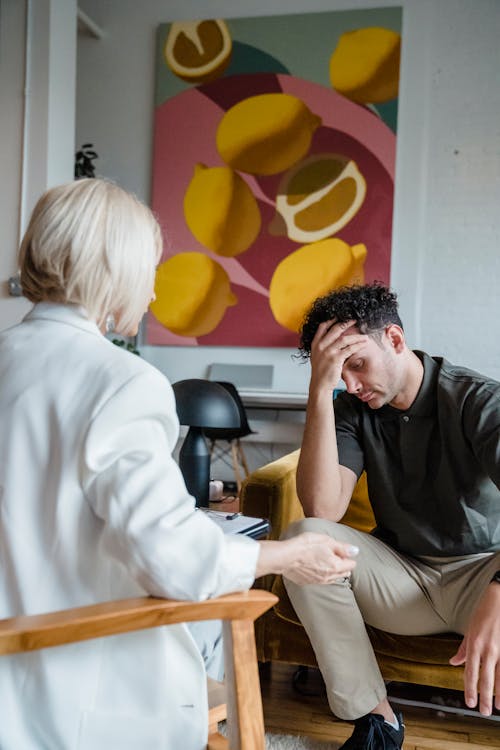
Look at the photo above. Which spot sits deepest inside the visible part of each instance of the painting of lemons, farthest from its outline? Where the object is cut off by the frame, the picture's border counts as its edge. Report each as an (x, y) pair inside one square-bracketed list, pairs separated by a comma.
[(273, 170), (266, 134), (221, 210)]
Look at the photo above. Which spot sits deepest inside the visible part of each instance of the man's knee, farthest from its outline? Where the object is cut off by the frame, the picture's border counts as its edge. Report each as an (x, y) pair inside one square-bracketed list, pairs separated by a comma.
[(338, 531), (317, 525)]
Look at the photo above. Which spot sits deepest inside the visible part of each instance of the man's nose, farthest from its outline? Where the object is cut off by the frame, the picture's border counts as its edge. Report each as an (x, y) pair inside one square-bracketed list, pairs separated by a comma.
[(352, 384)]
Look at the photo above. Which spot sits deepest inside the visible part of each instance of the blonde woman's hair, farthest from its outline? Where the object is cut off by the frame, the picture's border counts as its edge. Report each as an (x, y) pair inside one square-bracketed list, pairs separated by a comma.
[(93, 244)]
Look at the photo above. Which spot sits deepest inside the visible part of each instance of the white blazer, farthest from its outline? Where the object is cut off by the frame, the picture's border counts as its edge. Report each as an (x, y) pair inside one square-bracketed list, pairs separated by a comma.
[(93, 508)]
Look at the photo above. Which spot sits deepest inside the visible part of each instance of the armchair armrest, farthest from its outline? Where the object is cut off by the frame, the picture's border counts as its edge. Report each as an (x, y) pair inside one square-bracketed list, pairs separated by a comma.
[(238, 611), (269, 492)]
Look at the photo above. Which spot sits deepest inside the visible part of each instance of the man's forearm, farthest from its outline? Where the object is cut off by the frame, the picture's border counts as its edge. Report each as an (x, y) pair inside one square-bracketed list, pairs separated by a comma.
[(319, 479), (324, 487)]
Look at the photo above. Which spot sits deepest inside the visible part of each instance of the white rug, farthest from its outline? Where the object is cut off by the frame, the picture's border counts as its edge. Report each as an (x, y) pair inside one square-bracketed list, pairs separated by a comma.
[(291, 742)]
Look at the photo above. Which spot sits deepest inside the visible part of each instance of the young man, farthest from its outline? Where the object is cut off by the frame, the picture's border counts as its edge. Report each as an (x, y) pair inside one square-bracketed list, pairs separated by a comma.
[(427, 433)]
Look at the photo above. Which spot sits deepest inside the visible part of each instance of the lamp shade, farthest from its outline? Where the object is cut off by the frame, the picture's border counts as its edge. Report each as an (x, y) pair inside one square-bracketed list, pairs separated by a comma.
[(201, 404)]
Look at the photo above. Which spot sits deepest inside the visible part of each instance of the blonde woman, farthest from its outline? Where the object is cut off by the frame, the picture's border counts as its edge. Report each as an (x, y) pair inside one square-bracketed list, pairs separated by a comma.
[(92, 505)]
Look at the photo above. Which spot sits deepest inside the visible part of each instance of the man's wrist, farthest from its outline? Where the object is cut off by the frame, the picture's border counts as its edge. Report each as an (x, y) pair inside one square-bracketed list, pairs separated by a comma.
[(320, 393)]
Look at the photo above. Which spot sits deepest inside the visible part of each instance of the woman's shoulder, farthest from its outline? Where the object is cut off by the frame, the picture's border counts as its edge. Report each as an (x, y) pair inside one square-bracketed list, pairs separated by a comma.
[(123, 365), (125, 385)]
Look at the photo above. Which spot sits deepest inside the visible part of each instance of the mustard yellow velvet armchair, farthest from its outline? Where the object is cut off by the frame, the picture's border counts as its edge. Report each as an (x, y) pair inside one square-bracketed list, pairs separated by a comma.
[(270, 492)]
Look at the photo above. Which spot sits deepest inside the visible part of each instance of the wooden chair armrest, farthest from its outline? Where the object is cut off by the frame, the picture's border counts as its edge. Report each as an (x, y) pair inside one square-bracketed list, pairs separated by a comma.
[(31, 632), (238, 612)]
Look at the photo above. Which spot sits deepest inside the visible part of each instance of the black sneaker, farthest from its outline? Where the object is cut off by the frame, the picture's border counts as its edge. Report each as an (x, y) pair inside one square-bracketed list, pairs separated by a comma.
[(372, 732)]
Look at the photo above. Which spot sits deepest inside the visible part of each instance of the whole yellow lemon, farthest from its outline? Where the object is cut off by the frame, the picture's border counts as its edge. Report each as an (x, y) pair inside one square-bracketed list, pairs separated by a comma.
[(221, 210), (266, 134), (364, 66), (192, 294), (311, 272)]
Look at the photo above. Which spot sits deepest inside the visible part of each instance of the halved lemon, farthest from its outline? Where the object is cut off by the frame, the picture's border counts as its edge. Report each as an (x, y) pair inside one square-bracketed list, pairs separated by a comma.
[(317, 197), (198, 51), (364, 66), (311, 272)]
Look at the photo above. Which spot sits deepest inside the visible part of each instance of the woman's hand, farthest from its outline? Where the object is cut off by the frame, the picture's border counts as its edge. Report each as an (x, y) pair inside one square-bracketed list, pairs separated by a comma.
[(307, 558)]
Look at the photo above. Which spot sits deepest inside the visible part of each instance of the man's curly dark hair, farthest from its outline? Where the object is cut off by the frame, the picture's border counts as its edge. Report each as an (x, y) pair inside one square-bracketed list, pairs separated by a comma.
[(372, 306)]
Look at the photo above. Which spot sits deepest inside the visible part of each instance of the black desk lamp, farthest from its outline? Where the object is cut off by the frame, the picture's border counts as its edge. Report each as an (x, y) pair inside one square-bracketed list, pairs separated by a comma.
[(201, 404)]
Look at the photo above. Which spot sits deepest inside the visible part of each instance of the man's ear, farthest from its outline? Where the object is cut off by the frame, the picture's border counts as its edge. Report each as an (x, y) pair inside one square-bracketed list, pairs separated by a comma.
[(396, 338)]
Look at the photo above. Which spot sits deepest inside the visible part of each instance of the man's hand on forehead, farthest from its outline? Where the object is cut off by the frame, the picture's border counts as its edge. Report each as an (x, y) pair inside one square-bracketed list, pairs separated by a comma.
[(334, 322), (340, 333), (347, 327), (332, 346), (339, 339)]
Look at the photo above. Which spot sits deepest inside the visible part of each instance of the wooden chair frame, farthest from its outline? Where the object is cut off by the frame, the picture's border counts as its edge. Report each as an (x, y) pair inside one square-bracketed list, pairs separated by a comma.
[(238, 612)]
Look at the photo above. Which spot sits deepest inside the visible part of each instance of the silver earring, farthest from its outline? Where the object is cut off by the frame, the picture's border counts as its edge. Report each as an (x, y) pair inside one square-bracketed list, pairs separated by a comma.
[(110, 323)]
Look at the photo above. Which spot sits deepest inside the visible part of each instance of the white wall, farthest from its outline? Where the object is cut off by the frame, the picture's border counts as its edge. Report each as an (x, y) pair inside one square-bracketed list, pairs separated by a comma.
[(446, 251), (37, 119), (446, 226), (12, 33)]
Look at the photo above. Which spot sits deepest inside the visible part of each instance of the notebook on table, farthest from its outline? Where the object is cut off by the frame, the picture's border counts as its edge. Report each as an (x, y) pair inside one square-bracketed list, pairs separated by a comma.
[(237, 523)]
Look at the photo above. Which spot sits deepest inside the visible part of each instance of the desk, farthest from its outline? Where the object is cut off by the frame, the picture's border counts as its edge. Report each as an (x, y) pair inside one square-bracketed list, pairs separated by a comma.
[(265, 399)]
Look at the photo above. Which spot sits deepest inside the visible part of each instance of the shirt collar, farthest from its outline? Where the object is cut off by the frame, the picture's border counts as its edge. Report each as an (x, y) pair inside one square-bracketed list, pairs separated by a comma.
[(73, 315), (424, 404)]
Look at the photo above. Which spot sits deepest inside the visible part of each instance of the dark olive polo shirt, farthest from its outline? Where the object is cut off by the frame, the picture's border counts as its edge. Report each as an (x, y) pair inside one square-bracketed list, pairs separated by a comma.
[(433, 470)]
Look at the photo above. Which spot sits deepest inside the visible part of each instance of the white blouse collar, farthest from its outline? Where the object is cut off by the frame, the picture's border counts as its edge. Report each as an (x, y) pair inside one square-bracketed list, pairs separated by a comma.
[(74, 315)]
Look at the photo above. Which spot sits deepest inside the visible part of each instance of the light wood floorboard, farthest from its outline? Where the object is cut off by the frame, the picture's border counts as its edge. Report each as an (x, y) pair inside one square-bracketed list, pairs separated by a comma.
[(287, 712)]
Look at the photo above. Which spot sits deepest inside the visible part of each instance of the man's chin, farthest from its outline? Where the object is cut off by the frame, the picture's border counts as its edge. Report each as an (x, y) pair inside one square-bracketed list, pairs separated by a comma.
[(375, 401)]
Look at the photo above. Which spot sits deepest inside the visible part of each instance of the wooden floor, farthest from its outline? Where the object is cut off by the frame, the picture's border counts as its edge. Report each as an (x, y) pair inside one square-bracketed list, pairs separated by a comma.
[(287, 712)]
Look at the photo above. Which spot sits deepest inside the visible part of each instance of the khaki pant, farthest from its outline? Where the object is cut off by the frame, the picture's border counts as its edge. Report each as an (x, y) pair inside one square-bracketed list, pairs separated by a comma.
[(389, 591), (208, 637)]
